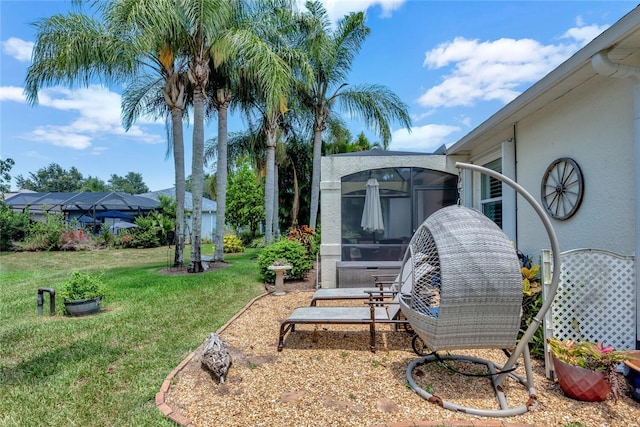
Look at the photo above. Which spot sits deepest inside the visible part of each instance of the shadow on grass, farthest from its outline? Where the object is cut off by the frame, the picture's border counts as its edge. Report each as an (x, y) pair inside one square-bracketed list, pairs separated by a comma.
[(55, 361)]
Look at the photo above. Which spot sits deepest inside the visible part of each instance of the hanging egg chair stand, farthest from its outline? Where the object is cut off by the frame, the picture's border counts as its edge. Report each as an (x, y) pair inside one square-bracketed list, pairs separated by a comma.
[(466, 293)]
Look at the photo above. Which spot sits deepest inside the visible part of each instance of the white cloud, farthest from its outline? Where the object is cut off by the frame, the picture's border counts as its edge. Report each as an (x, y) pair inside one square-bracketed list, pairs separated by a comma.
[(61, 136), (12, 93), (17, 48), (97, 111), (583, 34), (337, 9), (423, 139), (497, 69)]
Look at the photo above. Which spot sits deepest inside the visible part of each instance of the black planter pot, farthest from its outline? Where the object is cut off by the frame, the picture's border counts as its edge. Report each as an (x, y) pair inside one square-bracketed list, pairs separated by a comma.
[(83, 307)]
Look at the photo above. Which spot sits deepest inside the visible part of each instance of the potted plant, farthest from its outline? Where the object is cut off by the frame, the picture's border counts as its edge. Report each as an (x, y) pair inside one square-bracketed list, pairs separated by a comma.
[(82, 293), (586, 370)]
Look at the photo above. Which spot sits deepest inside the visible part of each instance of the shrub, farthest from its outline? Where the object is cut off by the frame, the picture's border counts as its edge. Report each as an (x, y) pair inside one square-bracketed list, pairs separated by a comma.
[(257, 243), (531, 304), (45, 234), (305, 235), (81, 286), (13, 226), (105, 238), (294, 253), (232, 244), (76, 240), (146, 238)]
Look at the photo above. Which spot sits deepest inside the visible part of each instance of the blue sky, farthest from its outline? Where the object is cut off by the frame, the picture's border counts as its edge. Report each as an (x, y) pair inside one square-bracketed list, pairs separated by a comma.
[(454, 63)]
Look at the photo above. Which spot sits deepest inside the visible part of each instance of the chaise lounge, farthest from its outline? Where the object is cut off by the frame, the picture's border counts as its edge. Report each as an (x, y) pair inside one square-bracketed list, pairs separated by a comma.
[(379, 311)]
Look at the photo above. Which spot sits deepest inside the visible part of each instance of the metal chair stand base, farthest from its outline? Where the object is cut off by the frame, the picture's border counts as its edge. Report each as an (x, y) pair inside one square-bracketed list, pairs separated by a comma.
[(496, 378)]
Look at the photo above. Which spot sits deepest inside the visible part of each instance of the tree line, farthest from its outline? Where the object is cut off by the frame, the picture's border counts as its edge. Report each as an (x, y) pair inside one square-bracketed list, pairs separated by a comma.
[(285, 69)]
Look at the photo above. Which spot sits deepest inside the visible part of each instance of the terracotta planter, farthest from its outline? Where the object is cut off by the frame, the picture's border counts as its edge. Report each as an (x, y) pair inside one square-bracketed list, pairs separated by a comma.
[(83, 307), (581, 384)]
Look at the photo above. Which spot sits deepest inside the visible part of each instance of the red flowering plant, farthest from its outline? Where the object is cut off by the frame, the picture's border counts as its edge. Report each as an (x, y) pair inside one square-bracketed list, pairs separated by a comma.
[(305, 235)]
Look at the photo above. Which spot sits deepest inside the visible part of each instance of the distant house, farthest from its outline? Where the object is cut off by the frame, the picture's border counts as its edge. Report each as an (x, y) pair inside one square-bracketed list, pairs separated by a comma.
[(209, 209), (85, 207)]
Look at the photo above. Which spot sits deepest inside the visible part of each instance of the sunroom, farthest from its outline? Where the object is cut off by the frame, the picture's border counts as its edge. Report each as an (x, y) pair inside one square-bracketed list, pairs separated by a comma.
[(407, 188)]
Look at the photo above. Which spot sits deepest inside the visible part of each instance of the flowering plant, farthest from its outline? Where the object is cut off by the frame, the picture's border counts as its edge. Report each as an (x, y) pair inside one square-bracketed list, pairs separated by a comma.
[(590, 355), (586, 354)]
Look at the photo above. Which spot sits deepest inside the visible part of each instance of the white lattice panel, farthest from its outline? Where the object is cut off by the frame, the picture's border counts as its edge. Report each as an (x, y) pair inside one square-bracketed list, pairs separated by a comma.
[(596, 298)]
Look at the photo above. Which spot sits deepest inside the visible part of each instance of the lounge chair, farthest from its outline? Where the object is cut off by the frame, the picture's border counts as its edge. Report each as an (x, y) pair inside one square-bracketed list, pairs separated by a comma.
[(381, 283), (379, 311), (384, 307), (387, 283)]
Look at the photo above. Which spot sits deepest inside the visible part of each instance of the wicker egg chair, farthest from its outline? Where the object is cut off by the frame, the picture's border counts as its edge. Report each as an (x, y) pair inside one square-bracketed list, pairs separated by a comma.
[(466, 293)]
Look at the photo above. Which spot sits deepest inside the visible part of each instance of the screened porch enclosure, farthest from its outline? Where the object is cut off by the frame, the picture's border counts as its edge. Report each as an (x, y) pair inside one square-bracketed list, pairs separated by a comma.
[(407, 196)]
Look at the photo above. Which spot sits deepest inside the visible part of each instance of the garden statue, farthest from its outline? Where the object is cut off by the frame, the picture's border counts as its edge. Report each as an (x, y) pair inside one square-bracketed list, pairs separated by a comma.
[(216, 357)]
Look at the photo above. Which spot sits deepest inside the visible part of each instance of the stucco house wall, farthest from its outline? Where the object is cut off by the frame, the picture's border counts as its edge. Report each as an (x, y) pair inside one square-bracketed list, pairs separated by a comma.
[(593, 126), (333, 168), (588, 109)]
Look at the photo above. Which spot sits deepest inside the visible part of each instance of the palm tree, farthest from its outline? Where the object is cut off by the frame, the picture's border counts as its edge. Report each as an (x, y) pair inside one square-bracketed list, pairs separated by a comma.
[(132, 35), (165, 93), (331, 54)]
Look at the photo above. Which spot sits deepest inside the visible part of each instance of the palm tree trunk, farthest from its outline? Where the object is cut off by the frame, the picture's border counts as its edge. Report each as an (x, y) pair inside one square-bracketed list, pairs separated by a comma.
[(276, 204), (221, 184), (197, 179), (178, 161), (296, 198), (269, 186), (315, 177)]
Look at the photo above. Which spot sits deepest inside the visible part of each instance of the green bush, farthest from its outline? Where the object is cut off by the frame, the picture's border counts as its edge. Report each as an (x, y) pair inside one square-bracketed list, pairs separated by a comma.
[(13, 226), (105, 238), (232, 244), (151, 230), (145, 238), (292, 252), (81, 286), (45, 234), (256, 243)]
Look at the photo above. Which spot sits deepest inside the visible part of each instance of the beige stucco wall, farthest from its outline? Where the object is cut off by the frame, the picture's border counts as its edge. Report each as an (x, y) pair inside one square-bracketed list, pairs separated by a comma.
[(333, 168), (593, 125)]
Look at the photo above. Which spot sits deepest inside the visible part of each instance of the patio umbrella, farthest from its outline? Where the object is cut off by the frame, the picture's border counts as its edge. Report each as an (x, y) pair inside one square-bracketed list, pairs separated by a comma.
[(372, 212), (115, 214)]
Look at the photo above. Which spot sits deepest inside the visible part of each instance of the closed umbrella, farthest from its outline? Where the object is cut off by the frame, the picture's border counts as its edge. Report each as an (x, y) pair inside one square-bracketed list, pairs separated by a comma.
[(372, 213)]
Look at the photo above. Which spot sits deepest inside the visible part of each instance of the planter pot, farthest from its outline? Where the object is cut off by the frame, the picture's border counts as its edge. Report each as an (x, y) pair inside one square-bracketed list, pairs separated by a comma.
[(83, 307), (632, 374), (580, 383)]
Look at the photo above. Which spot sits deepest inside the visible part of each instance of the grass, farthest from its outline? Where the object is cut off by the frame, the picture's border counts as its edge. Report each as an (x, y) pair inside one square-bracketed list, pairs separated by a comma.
[(105, 369)]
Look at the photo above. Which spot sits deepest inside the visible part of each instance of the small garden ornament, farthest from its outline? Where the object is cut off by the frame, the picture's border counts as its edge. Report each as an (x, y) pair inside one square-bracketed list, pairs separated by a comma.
[(216, 357)]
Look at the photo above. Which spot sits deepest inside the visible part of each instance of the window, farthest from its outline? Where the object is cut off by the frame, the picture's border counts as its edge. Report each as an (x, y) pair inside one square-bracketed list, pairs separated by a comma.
[(491, 193), (407, 197)]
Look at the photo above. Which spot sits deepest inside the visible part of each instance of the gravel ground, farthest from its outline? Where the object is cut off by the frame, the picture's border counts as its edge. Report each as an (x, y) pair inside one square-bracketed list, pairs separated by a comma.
[(326, 376)]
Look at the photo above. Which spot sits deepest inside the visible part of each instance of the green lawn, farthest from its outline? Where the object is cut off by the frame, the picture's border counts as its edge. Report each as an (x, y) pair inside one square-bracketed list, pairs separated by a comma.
[(105, 369)]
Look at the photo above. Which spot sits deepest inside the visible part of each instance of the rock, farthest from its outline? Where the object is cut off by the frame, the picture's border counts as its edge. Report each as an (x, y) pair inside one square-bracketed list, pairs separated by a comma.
[(216, 357)]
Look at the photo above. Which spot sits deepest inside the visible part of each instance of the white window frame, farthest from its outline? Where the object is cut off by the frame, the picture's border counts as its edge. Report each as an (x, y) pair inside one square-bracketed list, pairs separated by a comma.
[(506, 152)]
